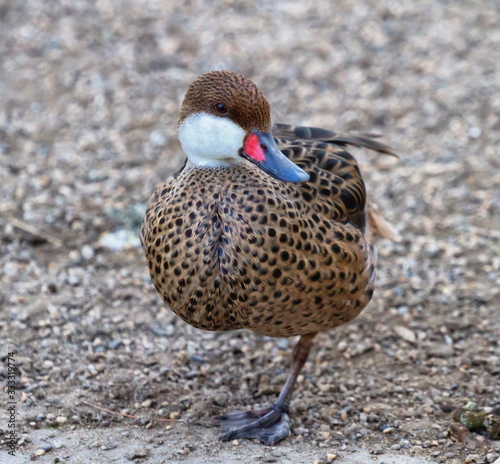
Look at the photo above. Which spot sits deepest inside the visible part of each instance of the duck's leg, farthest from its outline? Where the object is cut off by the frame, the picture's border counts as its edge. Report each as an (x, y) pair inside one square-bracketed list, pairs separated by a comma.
[(269, 425)]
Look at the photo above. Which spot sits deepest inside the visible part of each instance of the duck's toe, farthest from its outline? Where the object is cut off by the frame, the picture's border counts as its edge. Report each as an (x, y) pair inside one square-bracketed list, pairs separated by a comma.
[(269, 425)]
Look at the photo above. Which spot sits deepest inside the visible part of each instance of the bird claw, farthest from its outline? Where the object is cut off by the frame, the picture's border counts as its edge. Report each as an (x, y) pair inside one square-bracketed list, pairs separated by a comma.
[(269, 425)]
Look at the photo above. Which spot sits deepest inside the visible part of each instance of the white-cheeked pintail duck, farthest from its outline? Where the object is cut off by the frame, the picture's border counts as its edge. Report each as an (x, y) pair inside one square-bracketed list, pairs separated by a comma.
[(265, 228)]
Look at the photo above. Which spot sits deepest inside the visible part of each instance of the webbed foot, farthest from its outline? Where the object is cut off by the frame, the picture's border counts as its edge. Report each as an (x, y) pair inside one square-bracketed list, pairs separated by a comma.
[(269, 425)]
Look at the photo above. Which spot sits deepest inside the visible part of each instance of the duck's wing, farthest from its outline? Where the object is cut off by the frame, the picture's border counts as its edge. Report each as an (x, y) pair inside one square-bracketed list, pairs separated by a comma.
[(316, 134), (336, 187)]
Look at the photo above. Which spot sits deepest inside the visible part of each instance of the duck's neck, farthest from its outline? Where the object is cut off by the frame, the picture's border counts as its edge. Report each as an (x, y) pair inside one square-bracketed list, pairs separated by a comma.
[(210, 141)]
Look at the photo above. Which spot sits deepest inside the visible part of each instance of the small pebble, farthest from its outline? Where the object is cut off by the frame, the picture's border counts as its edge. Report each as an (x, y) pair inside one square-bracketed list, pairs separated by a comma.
[(139, 454), (270, 459), (157, 139), (474, 459), (405, 333), (147, 403), (475, 132), (87, 252), (40, 452), (47, 364), (61, 420)]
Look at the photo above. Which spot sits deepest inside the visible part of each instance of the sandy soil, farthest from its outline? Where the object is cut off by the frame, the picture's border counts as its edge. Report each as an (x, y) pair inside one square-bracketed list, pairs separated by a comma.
[(89, 96)]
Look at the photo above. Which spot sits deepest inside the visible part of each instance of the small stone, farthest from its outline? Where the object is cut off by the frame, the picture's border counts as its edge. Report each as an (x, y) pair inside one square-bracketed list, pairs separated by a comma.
[(440, 351), (40, 452), (139, 454), (157, 139), (100, 367), (61, 419), (300, 431), (331, 457), (73, 279), (147, 403), (405, 333), (475, 132), (458, 431), (474, 458), (388, 430), (235, 442), (47, 364), (490, 457), (174, 415), (87, 252), (114, 343), (120, 240), (270, 459), (50, 416)]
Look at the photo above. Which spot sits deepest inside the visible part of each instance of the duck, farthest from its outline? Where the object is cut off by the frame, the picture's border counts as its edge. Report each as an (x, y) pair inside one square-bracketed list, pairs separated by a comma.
[(266, 227)]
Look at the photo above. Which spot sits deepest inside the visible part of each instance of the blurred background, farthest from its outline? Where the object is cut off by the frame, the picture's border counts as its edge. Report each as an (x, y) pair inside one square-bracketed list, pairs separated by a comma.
[(89, 97)]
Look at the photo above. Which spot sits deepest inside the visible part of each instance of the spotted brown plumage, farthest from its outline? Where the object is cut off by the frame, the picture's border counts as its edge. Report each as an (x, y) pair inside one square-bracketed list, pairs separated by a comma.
[(230, 246)]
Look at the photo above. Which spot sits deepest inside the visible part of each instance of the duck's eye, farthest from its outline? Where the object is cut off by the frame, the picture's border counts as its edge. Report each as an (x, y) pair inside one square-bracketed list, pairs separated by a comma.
[(221, 108)]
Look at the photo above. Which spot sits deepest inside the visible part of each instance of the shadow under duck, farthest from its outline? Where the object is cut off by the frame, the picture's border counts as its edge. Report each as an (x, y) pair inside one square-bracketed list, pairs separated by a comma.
[(265, 228)]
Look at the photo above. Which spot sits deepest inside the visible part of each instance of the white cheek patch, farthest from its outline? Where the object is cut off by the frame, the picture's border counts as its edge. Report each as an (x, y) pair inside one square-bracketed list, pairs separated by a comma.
[(211, 141)]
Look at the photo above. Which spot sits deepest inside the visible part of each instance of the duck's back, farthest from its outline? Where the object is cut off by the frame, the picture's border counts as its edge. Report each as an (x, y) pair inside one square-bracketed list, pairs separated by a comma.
[(233, 247)]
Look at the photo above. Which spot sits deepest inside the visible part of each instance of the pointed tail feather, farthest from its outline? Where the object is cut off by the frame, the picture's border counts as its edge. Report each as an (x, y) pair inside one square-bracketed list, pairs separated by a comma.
[(378, 225)]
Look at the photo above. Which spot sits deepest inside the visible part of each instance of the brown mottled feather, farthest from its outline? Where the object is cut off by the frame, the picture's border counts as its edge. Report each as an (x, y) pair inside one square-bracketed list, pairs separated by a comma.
[(233, 247), (236, 248)]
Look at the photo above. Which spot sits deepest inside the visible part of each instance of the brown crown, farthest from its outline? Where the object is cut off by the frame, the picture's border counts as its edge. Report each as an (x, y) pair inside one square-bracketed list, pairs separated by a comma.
[(245, 102)]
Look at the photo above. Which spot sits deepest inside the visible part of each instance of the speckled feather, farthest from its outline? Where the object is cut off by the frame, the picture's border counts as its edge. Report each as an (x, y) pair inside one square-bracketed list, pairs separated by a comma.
[(231, 248), (235, 248)]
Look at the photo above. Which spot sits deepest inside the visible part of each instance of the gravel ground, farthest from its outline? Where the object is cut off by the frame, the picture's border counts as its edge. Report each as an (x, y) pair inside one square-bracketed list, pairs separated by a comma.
[(89, 96)]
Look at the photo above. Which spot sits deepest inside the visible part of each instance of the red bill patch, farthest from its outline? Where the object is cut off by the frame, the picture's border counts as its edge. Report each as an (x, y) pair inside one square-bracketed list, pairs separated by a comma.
[(253, 148)]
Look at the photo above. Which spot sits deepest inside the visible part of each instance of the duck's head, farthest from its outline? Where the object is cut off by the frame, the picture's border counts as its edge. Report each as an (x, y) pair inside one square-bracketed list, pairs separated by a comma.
[(224, 119)]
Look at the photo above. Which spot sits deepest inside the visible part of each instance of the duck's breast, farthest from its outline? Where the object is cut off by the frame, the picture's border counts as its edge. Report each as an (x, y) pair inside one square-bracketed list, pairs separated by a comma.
[(245, 251)]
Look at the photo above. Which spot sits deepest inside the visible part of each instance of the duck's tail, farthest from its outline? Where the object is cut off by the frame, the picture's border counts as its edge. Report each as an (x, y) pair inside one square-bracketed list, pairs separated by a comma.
[(378, 225)]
